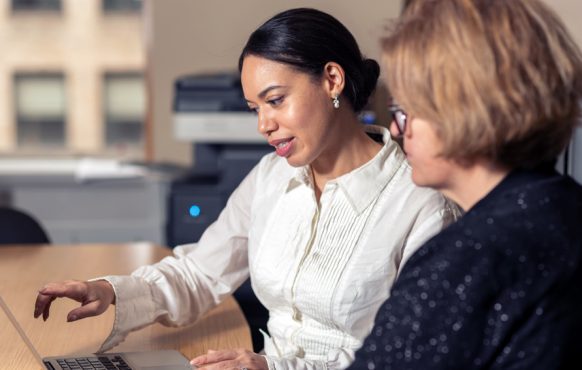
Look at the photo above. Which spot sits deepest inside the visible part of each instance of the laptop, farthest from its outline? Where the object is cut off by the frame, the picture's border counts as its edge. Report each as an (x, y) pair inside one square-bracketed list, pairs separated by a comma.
[(152, 360)]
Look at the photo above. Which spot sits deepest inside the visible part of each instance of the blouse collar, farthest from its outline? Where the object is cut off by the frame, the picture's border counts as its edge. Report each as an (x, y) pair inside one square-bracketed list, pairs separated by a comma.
[(362, 185)]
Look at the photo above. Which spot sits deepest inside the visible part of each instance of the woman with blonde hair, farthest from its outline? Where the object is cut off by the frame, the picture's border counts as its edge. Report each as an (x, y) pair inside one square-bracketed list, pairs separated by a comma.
[(488, 95)]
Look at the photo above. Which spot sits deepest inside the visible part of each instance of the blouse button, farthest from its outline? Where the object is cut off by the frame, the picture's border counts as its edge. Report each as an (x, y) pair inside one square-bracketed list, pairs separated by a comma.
[(296, 314), (300, 352)]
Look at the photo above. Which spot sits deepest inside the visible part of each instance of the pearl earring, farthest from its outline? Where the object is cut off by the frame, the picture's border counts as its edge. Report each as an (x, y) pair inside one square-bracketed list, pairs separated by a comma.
[(335, 102)]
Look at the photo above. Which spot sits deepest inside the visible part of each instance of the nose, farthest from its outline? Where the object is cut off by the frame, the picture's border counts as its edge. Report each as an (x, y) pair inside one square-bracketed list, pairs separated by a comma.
[(266, 123)]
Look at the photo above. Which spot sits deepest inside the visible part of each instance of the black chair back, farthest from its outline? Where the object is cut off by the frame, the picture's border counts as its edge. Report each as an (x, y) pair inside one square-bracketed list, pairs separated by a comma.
[(18, 227)]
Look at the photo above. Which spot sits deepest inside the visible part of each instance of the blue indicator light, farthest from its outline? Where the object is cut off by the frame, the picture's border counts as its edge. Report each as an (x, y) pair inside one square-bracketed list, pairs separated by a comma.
[(194, 211)]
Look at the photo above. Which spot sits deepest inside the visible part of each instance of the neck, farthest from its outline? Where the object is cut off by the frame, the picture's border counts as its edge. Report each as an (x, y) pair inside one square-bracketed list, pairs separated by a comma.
[(468, 185), (352, 149)]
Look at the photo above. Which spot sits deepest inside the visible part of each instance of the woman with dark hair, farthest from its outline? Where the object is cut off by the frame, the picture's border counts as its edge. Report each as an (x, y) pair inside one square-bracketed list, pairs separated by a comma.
[(488, 96), (321, 225)]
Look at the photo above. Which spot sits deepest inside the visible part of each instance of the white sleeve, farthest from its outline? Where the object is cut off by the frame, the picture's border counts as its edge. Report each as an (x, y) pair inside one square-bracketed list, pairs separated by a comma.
[(436, 214), (338, 359), (179, 289)]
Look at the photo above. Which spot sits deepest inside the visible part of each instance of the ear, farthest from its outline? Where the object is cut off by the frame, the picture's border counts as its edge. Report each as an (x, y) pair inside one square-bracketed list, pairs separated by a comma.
[(334, 79)]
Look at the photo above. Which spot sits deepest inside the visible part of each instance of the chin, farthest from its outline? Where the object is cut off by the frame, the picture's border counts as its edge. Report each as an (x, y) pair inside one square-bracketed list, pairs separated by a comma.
[(436, 181), (300, 158), (294, 162), (420, 180)]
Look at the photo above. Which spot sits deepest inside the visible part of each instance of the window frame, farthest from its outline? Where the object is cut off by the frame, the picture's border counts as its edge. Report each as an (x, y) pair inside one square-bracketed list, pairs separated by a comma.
[(20, 118), (123, 6), (19, 6), (111, 121)]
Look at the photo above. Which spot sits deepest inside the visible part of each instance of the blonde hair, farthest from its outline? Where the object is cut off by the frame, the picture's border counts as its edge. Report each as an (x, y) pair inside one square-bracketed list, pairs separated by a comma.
[(500, 79)]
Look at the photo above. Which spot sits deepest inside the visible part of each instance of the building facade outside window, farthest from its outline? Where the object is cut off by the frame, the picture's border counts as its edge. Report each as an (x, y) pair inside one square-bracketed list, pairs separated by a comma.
[(40, 110), (124, 110), (33, 5), (71, 79), (121, 5)]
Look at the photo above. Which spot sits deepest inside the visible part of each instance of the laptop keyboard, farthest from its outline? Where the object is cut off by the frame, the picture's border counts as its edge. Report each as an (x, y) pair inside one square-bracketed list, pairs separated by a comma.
[(91, 363)]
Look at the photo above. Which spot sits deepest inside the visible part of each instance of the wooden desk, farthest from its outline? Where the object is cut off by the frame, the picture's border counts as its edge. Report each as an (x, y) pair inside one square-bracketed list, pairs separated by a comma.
[(24, 269)]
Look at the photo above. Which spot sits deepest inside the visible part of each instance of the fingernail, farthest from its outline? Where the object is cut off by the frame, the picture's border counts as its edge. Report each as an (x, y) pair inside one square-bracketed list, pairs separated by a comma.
[(195, 361), (71, 318)]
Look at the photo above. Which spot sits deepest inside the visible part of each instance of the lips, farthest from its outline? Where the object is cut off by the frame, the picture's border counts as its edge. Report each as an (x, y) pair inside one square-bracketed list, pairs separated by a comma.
[(283, 147)]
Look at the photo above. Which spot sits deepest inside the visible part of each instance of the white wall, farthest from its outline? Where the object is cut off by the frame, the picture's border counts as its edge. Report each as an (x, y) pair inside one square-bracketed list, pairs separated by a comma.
[(571, 13)]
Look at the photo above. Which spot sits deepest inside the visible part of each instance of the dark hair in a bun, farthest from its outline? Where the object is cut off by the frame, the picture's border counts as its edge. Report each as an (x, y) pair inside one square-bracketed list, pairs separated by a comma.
[(307, 39)]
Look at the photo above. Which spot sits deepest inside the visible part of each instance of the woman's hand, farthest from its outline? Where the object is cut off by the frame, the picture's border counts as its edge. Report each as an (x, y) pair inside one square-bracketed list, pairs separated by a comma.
[(94, 296), (231, 359)]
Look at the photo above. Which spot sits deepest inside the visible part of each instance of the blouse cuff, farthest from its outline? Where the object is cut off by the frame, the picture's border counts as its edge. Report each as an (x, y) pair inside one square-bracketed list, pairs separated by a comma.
[(134, 308)]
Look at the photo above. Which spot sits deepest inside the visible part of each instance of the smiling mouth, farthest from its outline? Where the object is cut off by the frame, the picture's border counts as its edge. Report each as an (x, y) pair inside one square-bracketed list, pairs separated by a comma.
[(280, 142), (283, 147)]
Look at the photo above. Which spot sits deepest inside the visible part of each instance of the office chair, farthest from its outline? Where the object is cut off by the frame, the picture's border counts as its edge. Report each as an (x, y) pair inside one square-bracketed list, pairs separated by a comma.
[(18, 227), (255, 313)]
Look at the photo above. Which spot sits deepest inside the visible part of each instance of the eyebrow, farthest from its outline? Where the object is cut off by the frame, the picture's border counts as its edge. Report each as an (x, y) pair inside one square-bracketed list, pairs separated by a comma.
[(263, 93)]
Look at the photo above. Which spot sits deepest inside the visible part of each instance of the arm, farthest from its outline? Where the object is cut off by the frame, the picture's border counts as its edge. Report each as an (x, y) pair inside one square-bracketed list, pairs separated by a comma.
[(179, 289)]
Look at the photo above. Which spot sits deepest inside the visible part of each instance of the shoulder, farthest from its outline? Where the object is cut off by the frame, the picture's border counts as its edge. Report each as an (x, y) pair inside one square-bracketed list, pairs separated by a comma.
[(514, 233), (540, 211)]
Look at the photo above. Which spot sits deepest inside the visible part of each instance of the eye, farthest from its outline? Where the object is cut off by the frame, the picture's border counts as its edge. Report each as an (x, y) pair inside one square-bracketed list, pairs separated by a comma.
[(255, 110), (275, 101)]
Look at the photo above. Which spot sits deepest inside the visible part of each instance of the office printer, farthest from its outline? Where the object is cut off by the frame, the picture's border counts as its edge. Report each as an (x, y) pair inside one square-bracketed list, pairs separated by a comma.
[(212, 109), (210, 112)]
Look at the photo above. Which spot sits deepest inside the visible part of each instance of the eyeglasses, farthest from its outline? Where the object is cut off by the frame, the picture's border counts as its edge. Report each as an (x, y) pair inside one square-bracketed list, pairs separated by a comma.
[(399, 116)]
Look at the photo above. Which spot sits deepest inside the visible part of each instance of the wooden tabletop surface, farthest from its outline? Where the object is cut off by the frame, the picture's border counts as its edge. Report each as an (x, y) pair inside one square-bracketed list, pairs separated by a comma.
[(25, 269)]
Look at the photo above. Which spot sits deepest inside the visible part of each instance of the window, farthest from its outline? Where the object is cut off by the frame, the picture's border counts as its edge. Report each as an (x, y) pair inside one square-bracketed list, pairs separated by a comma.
[(40, 110), (36, 5), (124, 109), (121, 5)]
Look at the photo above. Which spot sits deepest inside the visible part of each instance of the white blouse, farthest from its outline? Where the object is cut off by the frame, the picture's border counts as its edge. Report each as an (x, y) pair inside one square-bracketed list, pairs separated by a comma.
[(322, 270)]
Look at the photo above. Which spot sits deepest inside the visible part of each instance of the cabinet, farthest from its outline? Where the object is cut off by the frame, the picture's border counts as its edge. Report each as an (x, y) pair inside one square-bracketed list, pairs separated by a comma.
[(103, 210)]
